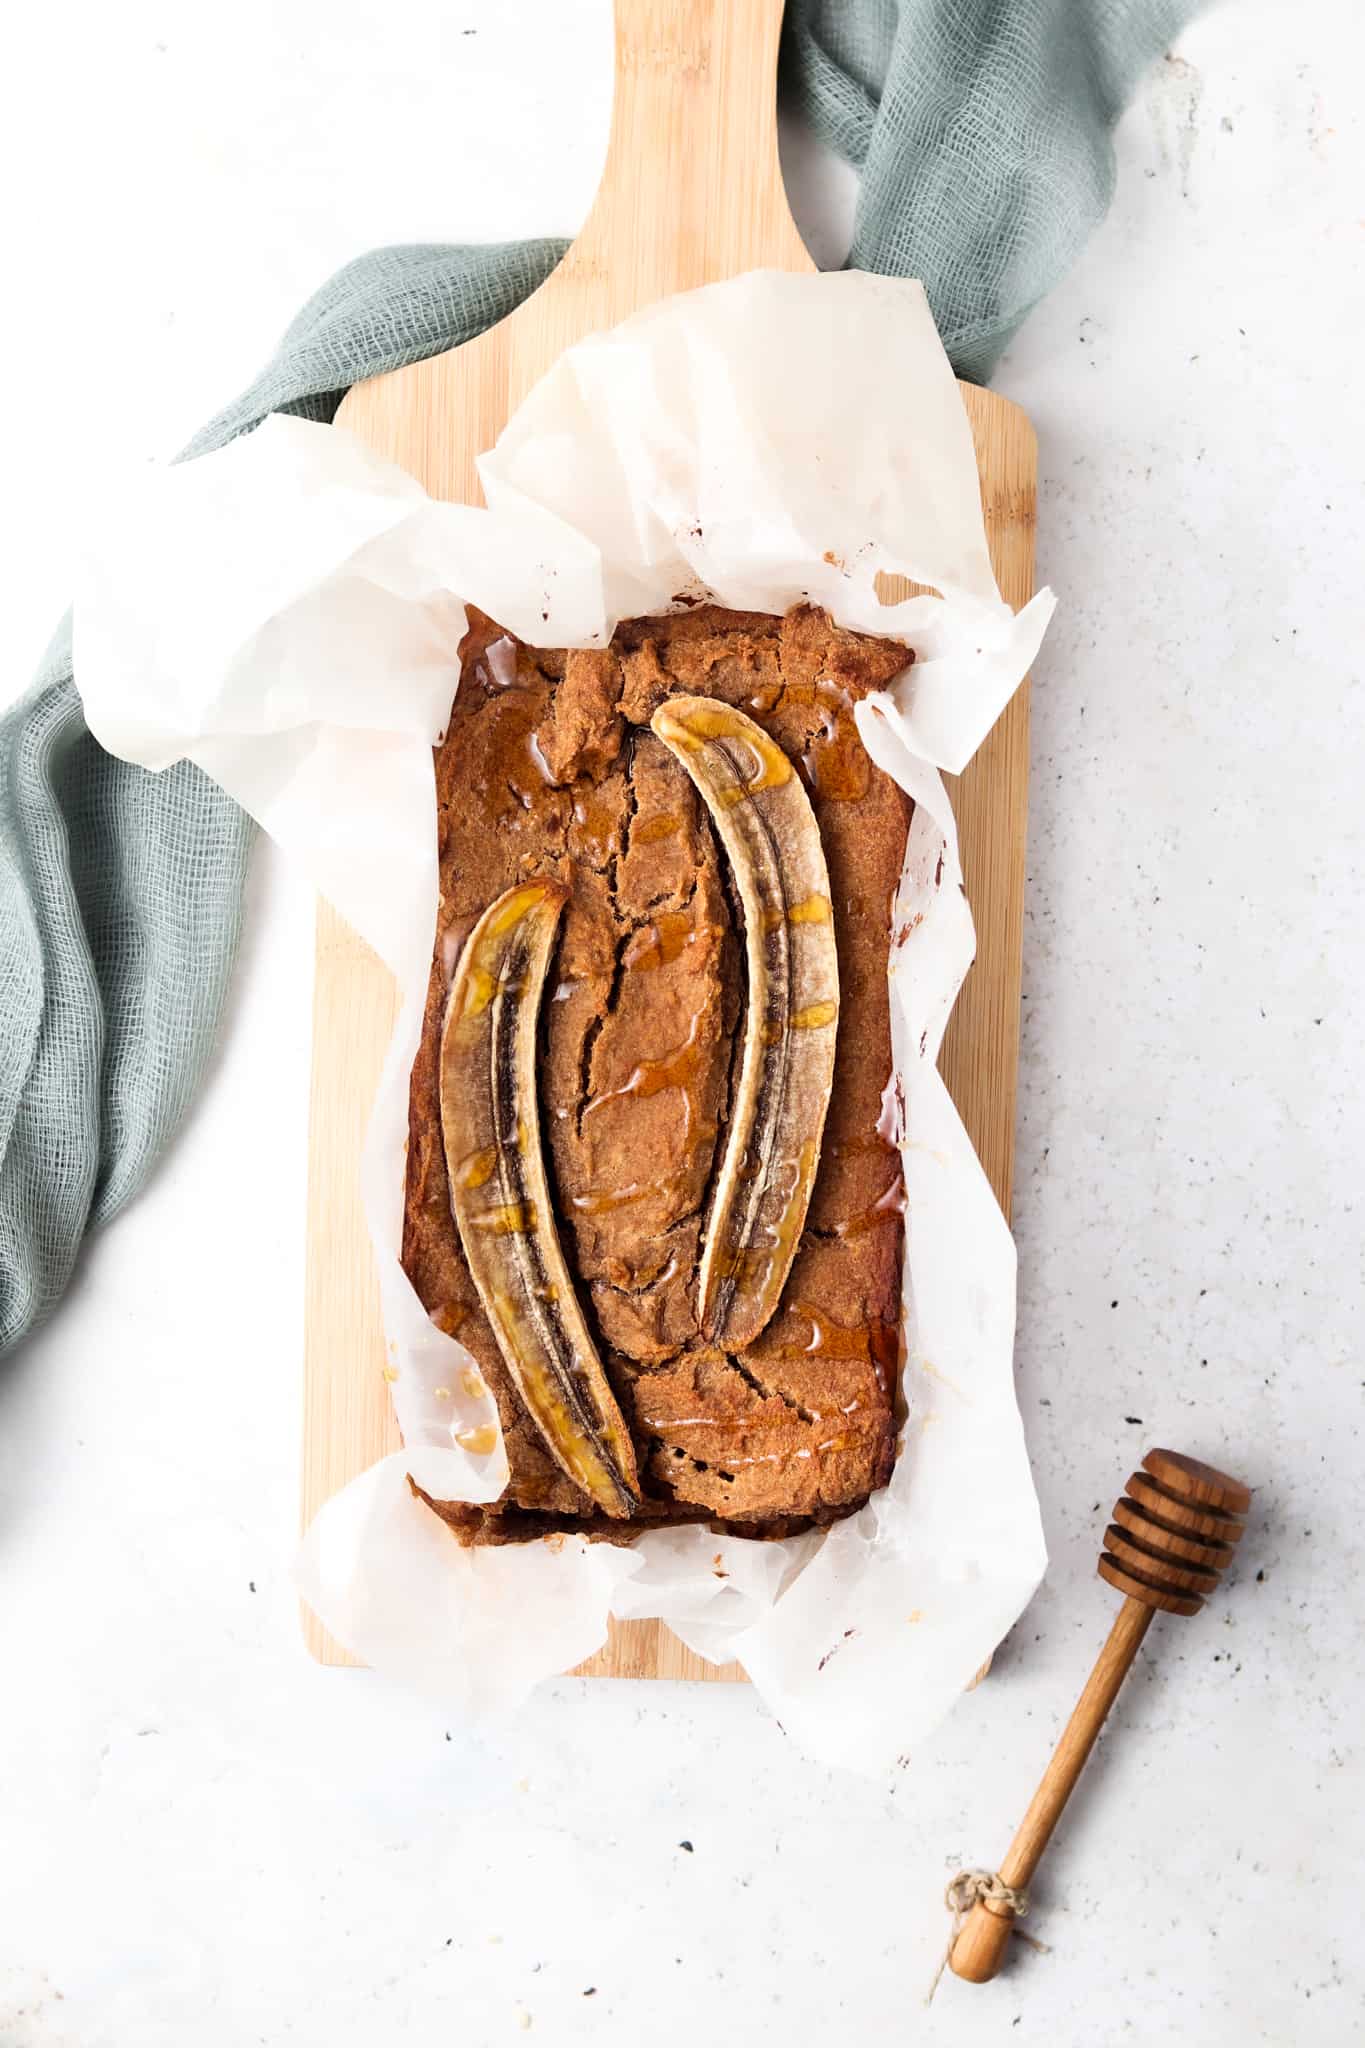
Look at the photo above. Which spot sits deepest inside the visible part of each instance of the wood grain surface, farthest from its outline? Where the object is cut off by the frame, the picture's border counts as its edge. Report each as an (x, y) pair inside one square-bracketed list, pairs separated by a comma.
[(692, 193)]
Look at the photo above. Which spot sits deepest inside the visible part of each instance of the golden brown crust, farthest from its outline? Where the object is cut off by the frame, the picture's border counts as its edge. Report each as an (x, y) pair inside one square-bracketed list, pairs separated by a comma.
[(548, 768)]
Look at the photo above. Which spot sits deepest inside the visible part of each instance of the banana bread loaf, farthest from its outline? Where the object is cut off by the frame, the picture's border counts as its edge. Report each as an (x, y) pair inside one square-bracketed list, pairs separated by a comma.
[(550, 769)]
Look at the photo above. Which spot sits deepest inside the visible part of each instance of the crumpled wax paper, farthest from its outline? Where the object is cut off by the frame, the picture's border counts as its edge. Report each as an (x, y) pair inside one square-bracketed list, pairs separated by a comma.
[(287, 613)]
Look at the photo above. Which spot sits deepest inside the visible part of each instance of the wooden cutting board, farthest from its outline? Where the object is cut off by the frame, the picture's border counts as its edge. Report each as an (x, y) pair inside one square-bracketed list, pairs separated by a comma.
[(692, 193)]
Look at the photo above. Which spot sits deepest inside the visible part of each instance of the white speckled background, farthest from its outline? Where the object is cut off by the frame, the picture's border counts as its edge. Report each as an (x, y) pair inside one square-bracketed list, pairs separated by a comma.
[(202, 1837)]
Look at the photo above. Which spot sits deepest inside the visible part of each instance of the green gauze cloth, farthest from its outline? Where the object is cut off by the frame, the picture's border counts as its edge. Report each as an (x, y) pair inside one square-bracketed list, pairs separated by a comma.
[(981, 131)]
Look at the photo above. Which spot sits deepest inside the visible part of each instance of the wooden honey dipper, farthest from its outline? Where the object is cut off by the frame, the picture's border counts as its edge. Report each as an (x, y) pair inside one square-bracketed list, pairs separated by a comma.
[(1172, 1534)]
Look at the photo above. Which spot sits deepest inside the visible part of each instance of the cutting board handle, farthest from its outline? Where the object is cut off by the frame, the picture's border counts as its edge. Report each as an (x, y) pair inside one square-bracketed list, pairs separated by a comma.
[(693, 145)]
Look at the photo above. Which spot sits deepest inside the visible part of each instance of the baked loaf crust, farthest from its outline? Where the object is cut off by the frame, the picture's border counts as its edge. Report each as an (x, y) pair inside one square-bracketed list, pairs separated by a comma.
[(549, 769)]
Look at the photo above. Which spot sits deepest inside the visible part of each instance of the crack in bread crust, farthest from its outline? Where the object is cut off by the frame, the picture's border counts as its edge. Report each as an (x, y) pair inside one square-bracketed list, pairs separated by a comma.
[(552, 770)]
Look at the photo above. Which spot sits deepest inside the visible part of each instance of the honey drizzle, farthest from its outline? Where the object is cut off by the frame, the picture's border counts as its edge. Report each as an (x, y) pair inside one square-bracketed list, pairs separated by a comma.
[(519, 774), (508, 1219), (727, 1461), (876, 1343), (480, 1441), (596, 1201), (648, 831), (676, 1069), (481, 978), (449, 1316), (835, 761), (666, 938), (477, 1168), (479, 992), (815, 1015), (888, 1207), (598, 829), (811, 910)]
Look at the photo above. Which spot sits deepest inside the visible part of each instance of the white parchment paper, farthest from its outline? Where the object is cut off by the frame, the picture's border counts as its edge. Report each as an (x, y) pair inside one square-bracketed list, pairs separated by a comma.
[(287, 613)]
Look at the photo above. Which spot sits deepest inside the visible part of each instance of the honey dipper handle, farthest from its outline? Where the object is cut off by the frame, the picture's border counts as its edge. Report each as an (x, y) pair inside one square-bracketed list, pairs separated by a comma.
[(980, 1945)]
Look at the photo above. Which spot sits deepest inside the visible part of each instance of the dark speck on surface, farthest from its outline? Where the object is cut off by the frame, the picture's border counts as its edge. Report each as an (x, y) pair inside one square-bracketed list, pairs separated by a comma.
[(1113, 1304), (591, 1991), (1133, 1418), (687, 1846)]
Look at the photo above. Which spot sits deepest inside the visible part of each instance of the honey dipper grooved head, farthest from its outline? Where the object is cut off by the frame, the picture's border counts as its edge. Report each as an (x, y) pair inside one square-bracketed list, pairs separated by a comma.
[(1202, 1485), (1173, 1532)]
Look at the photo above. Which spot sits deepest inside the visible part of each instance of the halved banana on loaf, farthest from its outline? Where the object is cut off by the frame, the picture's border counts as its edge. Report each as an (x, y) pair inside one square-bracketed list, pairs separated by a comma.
[(501, 1200), (763, 1187)]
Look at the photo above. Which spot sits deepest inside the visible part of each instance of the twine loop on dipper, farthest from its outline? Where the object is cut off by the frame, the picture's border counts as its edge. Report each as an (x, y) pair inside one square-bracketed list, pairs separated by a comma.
[(970, 1888)]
